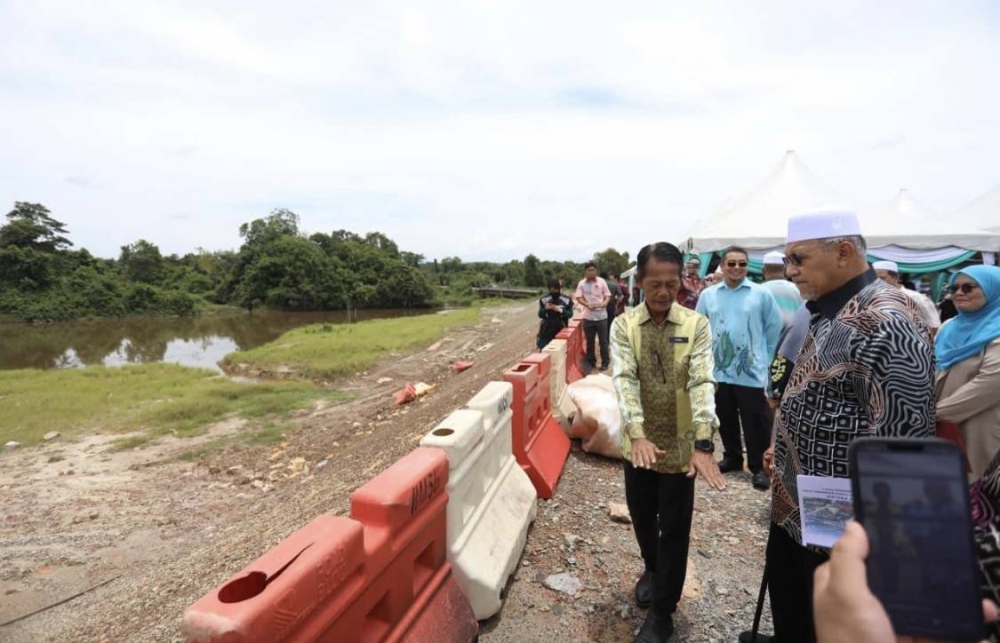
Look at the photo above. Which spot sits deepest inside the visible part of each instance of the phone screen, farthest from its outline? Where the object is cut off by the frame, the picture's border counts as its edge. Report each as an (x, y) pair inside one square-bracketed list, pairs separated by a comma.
[(913, 502)]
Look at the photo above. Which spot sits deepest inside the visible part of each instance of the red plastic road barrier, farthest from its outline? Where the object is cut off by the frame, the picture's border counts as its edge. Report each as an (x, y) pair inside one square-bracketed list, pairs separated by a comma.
[(538, 442), (380, 576), (576, 352)]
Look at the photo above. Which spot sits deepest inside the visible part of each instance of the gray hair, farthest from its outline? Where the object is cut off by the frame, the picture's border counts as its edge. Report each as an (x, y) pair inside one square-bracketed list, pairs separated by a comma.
[(855, 240)]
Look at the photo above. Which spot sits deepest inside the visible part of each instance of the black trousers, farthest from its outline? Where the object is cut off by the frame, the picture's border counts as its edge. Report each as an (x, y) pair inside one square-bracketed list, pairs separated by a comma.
[(743, 404), (598, 329), (661, 505), (790, 568)]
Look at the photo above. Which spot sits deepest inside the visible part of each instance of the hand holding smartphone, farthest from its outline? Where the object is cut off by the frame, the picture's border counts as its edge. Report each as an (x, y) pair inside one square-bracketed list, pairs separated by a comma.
[(912, 498)]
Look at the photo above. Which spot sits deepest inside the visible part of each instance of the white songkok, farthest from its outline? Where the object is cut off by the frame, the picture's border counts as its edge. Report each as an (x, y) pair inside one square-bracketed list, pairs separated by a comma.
[(825, 223), (774, 258), (886, 265), (718, 269)]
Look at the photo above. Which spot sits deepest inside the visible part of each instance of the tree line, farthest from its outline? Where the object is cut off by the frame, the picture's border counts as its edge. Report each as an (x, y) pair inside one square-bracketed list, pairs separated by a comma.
[(277, 266)]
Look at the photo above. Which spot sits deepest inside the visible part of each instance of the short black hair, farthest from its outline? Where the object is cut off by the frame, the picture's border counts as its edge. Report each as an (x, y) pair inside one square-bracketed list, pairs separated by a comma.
[(554, 283), (661, 251), (590, 264), (738, 249)]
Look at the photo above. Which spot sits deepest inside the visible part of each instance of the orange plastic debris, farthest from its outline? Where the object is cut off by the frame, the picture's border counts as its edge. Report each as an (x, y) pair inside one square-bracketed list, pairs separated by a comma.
[(407, 394)]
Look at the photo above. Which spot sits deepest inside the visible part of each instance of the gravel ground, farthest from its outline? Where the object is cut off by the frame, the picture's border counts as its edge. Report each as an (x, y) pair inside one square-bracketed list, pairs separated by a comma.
[(574, 534), (165, 532)]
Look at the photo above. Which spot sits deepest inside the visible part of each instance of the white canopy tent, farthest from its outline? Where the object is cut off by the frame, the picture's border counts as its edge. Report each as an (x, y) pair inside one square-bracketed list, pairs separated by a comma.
[(758, 221), (900, 230), (904, 231), (983, 212)]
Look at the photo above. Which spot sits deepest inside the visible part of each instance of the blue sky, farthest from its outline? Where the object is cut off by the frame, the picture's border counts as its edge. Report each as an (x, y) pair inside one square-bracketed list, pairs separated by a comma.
[(486, 129)]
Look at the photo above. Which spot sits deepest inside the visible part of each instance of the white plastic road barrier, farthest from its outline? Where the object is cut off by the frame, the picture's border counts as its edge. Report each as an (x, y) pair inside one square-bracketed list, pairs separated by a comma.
[(491, 501), (562, 406), (557, 377)]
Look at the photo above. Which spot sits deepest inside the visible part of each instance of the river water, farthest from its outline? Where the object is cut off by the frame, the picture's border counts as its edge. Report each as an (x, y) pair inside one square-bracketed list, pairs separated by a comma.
[(189, 341)]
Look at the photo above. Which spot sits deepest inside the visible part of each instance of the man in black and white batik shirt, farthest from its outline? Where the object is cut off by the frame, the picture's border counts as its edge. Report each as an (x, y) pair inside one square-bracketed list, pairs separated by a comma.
[(866, 369)]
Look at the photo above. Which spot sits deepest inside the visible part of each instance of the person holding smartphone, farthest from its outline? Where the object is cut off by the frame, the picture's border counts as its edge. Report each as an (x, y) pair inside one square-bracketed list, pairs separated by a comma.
[(846, 609), (866, 368)]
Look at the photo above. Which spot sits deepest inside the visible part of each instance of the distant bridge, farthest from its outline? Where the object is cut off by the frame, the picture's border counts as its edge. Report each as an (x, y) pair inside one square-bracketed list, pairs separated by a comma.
[(511, 293)]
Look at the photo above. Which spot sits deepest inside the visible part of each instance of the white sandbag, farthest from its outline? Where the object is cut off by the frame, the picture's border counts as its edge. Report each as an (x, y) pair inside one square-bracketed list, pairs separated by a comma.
[(598, 422)]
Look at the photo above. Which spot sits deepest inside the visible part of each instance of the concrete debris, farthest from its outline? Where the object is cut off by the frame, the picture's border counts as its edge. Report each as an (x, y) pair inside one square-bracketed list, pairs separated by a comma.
[(563, 583), (619, 512)]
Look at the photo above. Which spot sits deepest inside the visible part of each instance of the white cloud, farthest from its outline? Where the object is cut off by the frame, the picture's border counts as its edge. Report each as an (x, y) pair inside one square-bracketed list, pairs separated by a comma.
[(482, 129)]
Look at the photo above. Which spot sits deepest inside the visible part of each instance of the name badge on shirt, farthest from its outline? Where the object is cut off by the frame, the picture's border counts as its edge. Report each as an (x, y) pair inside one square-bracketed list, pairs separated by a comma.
[(678, 340)]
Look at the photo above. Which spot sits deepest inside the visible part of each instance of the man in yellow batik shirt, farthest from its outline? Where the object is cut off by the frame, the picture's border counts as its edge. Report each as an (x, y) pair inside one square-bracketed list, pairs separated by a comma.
[(661, 353)]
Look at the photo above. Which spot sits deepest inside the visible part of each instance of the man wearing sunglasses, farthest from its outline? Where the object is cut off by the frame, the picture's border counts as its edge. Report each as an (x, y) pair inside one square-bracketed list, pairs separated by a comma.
[(888, 271), (866, 368), (746, 323)]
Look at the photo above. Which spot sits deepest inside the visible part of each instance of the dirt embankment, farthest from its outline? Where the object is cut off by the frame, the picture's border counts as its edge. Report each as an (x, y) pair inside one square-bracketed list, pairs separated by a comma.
[(76, 514), (167, 532)]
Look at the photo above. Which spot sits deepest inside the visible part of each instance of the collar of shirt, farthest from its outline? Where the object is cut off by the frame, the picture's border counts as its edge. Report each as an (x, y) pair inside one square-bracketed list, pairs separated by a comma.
[(743, 284), (672, 315), (829, 305)]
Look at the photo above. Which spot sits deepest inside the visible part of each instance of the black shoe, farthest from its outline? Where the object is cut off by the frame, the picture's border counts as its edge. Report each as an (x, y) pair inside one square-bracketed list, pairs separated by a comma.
[(747, 637), (656, 629), (644, 589), (761, 481), (727, 465)]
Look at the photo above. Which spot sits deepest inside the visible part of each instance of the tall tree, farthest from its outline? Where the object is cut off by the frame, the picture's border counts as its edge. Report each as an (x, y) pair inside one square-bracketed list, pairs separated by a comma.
[(610, 260), (411, 259), (142, 262), (451, 264), (32, 248), (383, 243), (30, 225), (532, 272), (281, 222)]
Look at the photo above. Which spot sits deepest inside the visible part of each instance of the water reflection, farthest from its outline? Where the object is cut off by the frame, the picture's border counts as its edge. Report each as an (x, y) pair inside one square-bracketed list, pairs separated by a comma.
[(197, 341)]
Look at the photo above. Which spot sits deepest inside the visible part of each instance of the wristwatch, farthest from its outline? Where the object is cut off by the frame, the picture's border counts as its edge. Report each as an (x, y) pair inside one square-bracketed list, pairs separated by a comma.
[(705, 445)]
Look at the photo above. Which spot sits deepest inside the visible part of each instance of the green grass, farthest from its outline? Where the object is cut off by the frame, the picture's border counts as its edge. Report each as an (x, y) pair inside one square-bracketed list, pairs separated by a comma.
[(497, 302), (272, 433), (154, 398), (325, 351)]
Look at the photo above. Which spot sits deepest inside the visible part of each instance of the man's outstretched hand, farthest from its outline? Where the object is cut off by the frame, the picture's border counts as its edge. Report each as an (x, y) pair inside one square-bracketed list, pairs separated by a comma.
[(703, 464)]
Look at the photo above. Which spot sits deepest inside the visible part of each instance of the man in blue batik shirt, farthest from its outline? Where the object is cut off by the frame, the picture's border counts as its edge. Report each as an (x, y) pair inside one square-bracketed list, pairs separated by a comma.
[(746, 323)]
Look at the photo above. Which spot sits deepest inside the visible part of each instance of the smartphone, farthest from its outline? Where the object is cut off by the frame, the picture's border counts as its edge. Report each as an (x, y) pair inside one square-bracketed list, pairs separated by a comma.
[(912, 498)]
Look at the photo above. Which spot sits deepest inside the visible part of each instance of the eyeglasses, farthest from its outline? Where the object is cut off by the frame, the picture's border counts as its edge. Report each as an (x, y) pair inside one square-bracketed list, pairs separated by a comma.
[(733, 264), (965, 288), (794, 259)]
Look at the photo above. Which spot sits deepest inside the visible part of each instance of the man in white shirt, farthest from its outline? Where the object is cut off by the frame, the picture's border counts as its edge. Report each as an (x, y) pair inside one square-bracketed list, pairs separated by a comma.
[(888, 271)]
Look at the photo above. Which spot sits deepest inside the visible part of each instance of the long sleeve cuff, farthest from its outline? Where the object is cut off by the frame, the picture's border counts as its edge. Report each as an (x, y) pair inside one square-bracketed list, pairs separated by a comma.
[(635, 431), (703, 431)]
